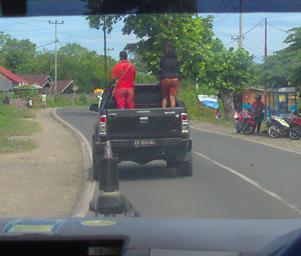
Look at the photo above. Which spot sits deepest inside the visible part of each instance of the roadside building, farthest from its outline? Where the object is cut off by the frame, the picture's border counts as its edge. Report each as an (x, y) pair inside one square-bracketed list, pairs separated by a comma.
[(10, 79), (43, 81), (248, 96), (5, 84), (63, 87)]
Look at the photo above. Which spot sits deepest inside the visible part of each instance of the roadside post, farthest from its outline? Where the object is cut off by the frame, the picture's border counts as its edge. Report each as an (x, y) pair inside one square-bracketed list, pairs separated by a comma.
[(74, 88), (110, 201)]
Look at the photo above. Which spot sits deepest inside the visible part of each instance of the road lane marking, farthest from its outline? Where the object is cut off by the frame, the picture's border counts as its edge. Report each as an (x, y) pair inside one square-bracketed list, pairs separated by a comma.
[(246, 139), (252, 182), (82, 208)]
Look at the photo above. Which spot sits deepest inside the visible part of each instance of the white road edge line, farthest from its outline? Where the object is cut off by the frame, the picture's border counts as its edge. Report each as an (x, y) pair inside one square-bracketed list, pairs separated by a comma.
[(82, 207), (246, 139), (250, 181)]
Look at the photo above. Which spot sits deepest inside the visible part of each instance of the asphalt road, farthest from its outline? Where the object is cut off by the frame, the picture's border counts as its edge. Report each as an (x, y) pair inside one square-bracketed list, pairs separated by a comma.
[(232, 178)]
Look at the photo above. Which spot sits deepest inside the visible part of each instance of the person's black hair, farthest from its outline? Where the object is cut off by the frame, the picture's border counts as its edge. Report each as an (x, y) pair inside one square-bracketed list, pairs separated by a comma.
[(169, 50), (123, 55), (258, 97)]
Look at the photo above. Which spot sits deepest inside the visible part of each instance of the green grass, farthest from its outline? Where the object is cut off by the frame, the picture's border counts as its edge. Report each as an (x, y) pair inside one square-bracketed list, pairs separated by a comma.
[(198, 112), (15, 145), (67, 101), (13, 122)]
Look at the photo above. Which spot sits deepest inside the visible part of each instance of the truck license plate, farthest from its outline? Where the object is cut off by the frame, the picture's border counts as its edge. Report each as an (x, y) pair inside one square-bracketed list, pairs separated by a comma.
[(144, 143)]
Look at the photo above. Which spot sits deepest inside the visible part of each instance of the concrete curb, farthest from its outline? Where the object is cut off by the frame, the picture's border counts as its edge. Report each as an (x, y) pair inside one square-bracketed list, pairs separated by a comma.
[(246, 139), (82, 207)]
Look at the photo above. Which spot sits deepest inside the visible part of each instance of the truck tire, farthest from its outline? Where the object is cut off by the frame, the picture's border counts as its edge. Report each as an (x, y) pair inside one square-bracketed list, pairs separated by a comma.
[(184, 169), (95, 168)]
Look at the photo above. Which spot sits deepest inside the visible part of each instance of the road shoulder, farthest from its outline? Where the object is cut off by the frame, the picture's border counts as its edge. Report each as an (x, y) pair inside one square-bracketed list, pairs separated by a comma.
[(279, 143), (45, 182)]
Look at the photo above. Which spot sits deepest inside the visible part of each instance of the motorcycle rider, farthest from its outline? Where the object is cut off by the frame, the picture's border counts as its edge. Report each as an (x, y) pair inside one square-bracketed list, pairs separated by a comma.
[(258, 108)]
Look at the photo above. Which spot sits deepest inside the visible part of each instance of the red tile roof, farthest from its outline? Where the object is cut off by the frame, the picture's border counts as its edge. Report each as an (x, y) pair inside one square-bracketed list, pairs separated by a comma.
[(39, 79), (11, 76)]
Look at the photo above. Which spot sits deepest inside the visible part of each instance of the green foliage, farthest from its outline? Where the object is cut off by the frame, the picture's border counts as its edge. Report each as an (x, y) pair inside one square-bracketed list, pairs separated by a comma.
[(60, 101), (203, 59), (12, 122), (231, 70), (284, 67), (191, 35), (196, 111), (84, 67), (97, 21), (67, 100), (143, 78), (17, 55)]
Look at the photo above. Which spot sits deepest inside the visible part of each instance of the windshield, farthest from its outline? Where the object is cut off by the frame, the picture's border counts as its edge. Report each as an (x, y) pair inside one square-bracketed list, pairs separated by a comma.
[(172, 111)]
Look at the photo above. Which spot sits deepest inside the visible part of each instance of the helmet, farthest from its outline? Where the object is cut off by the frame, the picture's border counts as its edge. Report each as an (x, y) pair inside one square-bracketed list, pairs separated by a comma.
[(258, 97)]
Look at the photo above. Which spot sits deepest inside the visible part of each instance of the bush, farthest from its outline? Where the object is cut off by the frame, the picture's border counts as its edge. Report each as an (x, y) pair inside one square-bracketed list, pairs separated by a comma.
[(196, 111), (82, 100)]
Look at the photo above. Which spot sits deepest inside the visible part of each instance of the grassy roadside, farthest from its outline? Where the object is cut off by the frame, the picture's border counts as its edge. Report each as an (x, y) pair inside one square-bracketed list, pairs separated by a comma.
[(13, 123), (198, 112), (67, 101)]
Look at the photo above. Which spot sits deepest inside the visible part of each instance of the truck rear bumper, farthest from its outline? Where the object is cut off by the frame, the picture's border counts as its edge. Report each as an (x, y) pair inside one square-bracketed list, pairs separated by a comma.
[(149, 149)]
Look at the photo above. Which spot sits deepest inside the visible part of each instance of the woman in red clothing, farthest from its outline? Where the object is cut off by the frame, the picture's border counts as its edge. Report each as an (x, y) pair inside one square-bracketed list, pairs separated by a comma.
[(169, 76), (124, 73)]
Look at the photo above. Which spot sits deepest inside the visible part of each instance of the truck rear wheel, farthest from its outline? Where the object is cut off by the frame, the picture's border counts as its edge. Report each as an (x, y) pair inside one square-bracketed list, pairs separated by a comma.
[(184, 169), (95, 168)]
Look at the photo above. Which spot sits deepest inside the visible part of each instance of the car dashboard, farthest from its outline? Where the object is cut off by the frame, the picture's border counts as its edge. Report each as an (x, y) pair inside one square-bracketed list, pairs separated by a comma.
[(144, 236)]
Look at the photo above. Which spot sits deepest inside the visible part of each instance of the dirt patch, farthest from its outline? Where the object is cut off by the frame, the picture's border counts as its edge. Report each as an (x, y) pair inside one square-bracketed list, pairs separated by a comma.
[(283, 143), (45, 182)]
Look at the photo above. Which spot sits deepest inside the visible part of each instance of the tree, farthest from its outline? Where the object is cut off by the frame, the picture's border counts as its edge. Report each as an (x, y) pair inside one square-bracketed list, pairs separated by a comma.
[(203, 58), (191, 35), (229, 72), (284, 66), (17, 55), (85, 67)]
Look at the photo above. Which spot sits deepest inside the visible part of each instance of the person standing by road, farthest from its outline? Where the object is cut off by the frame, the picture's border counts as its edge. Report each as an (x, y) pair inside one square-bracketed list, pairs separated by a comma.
[(43, 97), (258, 107), (124, 75), (169, 76)]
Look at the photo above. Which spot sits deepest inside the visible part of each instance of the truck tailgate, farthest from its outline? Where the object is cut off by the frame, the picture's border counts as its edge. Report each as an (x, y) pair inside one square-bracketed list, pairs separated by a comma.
[(144, 123)]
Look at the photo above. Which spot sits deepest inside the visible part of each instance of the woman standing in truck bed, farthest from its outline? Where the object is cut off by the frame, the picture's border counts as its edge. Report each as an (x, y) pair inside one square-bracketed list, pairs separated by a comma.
[(169, 76)]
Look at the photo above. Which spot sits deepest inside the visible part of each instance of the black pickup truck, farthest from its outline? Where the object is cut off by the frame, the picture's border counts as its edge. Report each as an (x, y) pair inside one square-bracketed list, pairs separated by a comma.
[(145, 133)]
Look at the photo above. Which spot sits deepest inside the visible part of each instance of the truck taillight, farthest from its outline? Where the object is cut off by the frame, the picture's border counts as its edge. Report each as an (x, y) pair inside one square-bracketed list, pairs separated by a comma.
[(185, 123), (102, 125), (102, 119)]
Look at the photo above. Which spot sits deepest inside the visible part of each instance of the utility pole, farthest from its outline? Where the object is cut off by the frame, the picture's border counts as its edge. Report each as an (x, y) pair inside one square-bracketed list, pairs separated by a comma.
[(105, 48), (55, 23), (240, 36), (109, 50), (265, 38), (266, 98)]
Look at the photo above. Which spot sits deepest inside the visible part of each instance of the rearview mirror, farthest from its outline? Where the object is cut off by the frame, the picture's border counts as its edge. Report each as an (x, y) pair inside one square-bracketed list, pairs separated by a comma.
[(94, 107)]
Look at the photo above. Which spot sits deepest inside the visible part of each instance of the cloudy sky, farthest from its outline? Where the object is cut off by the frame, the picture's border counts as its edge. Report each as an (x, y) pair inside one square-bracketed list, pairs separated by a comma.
[(226, 26)]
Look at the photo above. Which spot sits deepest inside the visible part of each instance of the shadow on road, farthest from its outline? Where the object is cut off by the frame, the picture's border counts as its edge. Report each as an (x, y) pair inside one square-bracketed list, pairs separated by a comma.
[(131, 171)]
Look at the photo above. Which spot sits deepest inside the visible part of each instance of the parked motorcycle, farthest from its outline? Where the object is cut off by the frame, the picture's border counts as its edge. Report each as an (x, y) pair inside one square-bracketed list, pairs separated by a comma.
[(295, 127), (244, 122), (278, 126)]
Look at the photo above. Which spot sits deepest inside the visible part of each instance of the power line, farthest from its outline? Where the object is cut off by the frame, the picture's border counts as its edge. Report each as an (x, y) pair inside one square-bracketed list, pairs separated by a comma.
[(89, 38), (220, 31), (245, 32), (43, 45), (220, 19), (280, 29)]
